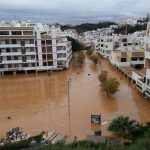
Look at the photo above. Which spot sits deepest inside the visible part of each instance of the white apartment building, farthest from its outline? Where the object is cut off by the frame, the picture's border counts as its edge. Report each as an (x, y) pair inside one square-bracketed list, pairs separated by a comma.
[(33, 48), (142, 79), (134, 59)]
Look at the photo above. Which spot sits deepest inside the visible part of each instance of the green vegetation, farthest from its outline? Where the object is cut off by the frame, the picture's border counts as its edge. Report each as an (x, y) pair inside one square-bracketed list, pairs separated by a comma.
[(137, 137), (131, 29), (123, 127), (95, 58), (103, 77), (80, 58), (109, 85), (141, 144), (22, 144), (88, 26), (76, 46), (89, 52)]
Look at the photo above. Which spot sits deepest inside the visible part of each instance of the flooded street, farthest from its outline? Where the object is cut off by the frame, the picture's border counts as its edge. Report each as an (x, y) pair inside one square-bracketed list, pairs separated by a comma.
[(37, 103)]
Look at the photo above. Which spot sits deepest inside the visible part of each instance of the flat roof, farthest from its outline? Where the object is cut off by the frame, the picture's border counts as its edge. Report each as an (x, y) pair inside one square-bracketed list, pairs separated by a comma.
[(17, 37), (16, 28)]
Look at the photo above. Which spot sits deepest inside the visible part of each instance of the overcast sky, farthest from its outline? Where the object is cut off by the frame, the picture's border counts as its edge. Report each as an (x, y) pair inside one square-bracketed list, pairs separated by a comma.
[(72, 11)]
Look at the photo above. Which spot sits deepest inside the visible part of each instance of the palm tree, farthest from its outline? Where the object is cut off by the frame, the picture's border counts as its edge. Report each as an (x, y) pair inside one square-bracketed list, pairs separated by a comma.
[(123, 127)]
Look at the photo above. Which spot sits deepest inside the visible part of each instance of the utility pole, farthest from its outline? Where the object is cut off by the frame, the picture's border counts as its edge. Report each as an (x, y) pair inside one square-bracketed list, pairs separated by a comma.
[(68, 84)]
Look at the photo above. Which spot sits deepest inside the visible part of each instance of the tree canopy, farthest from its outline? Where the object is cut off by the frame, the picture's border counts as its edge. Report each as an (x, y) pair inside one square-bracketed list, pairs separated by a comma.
[(88, 26)]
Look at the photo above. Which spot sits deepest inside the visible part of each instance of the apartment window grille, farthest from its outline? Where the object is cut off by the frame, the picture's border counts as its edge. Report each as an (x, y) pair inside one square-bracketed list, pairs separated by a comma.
[(14, 49), (9, 65), (141, 58), (7, 50), (123, 59), (44, 56), (15, 57), (44, 64), (14, 41), (32, 57), (16, 32), (7, 42), (31, 49), (33, 64), (134, 59), (50, 63), (4, 32), (31, 41), (43, 42), (8, 57), (124, 40), (27, 32), (48, 42)]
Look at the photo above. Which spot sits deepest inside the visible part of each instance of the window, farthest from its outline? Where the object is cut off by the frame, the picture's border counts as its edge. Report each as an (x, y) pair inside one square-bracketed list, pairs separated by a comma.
[(44, 56), (15, 57), (4, 32), (31, 49), (32, 57), (16, 32), (31, 41), (44, 64), (14, 41), (141, 58), (125, 44), (148, 82), (8, 57), (124, 40), (27, 32), (50, 63), (49, 56), (48, 42), (49, 49), (134, 59), (7, 42), (43, 42), (9, 65), (7, 50), (33, 64), (14, 49), (123, 59)]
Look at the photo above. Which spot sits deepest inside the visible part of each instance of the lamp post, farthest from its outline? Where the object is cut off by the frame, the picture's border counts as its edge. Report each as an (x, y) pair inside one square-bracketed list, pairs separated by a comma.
[(68, 85)]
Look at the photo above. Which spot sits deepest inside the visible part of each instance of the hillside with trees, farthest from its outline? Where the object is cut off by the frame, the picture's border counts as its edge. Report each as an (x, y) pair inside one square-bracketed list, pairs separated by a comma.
[(88, 26), (131, 29)]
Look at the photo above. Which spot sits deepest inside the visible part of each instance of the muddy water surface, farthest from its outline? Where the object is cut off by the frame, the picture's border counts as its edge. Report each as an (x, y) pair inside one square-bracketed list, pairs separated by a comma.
[(38, 103)]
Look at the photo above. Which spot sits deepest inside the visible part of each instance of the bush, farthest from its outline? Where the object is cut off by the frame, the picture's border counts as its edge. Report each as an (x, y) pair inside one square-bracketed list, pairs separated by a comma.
[(80, 58), (95, 59), (89, 52)]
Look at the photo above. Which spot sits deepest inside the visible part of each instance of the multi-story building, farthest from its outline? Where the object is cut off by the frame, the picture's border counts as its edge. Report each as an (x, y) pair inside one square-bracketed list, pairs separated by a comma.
[(142, 79), (30, 48), (127, 58)]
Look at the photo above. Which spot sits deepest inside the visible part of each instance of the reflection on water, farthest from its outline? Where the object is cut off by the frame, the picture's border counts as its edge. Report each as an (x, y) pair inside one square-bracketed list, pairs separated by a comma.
[(38, 103)]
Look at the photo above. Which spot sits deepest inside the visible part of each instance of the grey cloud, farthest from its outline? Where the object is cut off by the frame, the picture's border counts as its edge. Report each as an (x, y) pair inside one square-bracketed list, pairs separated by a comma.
[(72, 11)]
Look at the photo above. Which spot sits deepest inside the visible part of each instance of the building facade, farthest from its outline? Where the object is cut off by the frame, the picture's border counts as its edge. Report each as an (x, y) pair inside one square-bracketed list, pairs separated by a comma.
[(28, 48)]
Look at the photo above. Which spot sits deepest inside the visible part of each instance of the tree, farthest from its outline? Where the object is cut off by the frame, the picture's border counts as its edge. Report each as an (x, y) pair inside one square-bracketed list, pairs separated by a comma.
[(109, 85), (80, 58), (95, 59), (103, 77), (76, 46), (89, 52), (123, 127)]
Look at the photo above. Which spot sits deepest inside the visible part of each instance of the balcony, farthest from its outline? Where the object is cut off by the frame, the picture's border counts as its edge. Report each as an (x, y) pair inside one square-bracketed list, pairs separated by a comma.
[(147, 91), (147, 54), (122, 64), (138, 62)]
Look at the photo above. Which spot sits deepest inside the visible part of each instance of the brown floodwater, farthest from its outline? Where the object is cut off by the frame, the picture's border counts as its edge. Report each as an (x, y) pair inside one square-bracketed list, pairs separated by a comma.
[(37, 103)]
